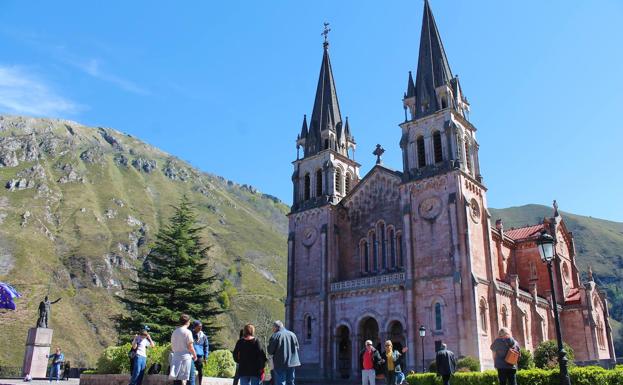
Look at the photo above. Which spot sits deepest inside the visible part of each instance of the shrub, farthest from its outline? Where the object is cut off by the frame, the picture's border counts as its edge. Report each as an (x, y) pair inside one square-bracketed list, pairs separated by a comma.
[(115, 359), (526, 360), (220, 364), (432, 368), (546, 355), (471, 364)]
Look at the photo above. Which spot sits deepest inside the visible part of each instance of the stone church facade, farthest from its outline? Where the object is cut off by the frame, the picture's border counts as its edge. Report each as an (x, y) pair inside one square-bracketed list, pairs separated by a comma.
[(376, 257)]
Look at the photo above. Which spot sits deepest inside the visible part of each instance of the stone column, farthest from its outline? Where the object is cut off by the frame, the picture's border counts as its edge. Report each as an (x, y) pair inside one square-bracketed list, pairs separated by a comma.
[(407, 250), (290, 282), (37, 348)]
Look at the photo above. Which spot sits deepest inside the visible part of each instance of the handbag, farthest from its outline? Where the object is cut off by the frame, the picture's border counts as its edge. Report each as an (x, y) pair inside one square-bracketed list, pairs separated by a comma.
[(512, 356)]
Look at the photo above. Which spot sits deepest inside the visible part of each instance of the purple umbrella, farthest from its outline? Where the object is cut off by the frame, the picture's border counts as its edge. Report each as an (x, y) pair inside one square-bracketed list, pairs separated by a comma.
[(7, 293)]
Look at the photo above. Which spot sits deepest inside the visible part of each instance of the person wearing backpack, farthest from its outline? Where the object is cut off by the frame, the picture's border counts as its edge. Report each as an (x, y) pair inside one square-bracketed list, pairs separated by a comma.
[(505, 356), (139, 361)]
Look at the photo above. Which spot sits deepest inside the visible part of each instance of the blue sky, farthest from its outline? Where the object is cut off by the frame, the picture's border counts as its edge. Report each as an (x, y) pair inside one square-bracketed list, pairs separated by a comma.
[(224, 85)]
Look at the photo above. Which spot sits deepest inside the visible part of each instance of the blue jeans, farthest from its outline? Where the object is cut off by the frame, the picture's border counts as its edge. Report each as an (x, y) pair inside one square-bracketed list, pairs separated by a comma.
[(191, 378), (284, 376), (248, 380), (138, 370), (55, 372)]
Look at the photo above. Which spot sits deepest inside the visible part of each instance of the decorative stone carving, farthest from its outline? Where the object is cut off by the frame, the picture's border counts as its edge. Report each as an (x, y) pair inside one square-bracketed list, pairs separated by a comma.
[(474, 211), (430, 208), (310, 235)]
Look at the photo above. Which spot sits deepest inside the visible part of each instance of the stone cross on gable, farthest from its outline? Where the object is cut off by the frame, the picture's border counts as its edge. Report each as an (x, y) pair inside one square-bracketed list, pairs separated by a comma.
[(378, 151)]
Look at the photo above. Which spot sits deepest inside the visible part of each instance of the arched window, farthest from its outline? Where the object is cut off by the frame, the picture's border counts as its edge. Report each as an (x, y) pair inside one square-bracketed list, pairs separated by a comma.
[(319, 182), (392, 247), (399, 249), (483, 315), (383, 246), (347, 183), (437, 147), (600, 334), (504, 316), (338, 180), (468, 157), (438, 319), (308, 327), (421, 152), (363, 249), (307, 186), (444, 102), (326, 144), (527, 329), (375, 255)]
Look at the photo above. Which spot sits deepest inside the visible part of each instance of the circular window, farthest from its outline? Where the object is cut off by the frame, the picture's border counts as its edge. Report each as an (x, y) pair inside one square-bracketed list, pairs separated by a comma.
[(474, 210)]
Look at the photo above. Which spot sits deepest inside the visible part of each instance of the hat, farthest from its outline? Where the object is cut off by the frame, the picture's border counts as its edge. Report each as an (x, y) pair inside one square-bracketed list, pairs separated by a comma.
[(196, 323)]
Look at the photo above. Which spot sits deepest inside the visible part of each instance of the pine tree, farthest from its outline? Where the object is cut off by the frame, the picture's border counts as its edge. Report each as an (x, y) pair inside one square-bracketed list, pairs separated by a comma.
[(174, 280)]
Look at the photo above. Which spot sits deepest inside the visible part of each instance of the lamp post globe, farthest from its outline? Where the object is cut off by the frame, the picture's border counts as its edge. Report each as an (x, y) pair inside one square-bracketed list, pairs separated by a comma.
[(547, 249), (422, 331)]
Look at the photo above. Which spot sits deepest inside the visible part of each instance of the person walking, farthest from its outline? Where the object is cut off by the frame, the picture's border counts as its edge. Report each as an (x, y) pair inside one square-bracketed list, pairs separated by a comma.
[(446, 363), (283, 346), (507, 372), (140, 343), (236, 375), (200, 343), (392, 363), (182, 351), (66, 370), (57, 361), (370, 359), (250, 356)]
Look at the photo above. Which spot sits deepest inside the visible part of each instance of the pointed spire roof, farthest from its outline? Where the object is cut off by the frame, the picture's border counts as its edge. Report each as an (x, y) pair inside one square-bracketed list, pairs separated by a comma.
[(304, 127), (433, 69), (347, 129), (326, 112), (410, 87)]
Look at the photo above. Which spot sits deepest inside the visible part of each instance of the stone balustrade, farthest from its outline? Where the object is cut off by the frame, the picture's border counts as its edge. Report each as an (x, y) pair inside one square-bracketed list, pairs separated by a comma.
[(371, 281)]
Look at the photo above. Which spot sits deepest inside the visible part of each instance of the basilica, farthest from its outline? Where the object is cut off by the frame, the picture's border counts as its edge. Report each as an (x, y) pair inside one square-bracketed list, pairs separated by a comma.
[(384, 255)]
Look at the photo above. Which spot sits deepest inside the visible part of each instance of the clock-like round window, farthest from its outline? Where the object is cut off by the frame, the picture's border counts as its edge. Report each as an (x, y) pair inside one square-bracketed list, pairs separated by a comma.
[(474, 210)]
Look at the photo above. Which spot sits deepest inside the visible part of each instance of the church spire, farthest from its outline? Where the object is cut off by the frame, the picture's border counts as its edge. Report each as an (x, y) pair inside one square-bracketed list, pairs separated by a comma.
[(433, 68)]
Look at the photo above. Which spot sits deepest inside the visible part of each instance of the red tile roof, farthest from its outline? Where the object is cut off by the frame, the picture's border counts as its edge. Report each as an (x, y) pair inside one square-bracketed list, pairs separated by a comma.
[(524, 232)]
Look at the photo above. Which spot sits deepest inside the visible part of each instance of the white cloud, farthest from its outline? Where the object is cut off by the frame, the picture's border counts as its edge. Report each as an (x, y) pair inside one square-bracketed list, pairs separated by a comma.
[(92, 67), (22, 92)]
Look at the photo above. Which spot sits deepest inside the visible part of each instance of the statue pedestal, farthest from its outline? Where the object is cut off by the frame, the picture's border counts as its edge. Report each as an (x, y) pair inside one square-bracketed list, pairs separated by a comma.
[(37, 348)]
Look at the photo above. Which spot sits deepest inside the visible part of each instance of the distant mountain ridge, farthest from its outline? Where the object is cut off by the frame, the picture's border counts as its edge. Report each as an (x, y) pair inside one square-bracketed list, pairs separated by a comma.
[(79, 207)]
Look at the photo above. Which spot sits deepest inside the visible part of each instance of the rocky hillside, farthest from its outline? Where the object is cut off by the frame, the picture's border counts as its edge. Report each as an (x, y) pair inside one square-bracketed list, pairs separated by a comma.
[(599, 243), (79, 207)]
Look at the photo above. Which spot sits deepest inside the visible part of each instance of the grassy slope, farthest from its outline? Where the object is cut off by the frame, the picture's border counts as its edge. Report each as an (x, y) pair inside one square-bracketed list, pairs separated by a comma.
[(238, 223)]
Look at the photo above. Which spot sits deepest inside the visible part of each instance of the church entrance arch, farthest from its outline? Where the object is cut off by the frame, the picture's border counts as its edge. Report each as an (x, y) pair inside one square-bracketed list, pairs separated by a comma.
[(369, 330), (396, 333), (344, 352)]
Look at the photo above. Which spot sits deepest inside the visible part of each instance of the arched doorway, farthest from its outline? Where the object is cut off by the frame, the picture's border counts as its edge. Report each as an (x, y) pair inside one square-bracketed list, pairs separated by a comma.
[(344, 351), (396, 334), (369, 330)]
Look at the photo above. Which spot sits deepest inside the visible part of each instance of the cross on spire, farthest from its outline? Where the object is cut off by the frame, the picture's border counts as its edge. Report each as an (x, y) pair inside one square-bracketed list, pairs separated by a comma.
[(325, 33)]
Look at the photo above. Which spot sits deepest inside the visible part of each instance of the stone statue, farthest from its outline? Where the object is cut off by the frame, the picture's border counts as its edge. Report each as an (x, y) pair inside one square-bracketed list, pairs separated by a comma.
[(44, 312)]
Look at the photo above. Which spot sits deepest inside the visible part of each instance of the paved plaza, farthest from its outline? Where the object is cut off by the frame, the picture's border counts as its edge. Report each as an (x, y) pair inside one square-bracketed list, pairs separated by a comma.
[(15, 381)]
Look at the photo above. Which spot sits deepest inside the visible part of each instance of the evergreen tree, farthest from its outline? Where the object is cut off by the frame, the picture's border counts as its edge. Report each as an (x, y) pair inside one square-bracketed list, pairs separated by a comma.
[(174, 280)]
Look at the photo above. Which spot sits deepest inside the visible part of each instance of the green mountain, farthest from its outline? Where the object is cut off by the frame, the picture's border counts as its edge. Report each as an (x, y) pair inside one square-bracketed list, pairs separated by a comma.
[(79, 207), (598, 243)]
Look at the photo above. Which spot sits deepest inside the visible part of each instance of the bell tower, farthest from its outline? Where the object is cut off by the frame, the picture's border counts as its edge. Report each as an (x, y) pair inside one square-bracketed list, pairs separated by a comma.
[(327, 171)]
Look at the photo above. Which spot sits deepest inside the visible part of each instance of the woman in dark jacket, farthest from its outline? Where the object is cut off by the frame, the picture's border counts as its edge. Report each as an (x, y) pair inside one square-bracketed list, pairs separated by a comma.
[(507, 373), (250, 356), (392, 361)]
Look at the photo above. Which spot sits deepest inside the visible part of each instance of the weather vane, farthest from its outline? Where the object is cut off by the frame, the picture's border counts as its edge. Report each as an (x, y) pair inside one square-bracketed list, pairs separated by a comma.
[(325, 32)]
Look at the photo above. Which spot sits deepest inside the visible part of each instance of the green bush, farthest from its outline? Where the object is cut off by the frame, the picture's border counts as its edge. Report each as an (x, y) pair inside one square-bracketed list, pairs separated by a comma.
[(526, 360), (579, 376), (546, 355), (115, 359), (468, 364), (220, 364)]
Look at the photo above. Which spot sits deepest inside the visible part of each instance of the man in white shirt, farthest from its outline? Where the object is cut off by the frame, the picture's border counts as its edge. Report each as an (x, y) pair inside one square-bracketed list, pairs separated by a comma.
[(183, 352)]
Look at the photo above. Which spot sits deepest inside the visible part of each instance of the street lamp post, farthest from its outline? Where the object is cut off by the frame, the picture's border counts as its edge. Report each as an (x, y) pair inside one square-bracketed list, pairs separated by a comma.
[(547, 248), (422, 335)]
